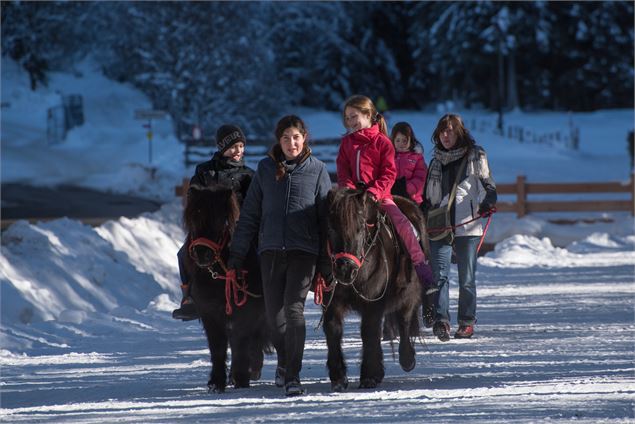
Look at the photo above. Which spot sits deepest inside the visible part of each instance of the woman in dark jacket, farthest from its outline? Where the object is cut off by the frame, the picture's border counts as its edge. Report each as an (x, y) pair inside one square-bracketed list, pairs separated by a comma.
[(286, 207), (226, 167)]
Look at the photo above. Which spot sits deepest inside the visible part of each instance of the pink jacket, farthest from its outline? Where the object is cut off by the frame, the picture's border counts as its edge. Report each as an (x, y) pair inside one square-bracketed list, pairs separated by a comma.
[(412, 166), (367, 155)]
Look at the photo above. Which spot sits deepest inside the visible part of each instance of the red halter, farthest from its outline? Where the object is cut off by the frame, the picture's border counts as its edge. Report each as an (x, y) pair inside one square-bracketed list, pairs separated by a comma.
[(357, 261), (217, 248), (234, 285)]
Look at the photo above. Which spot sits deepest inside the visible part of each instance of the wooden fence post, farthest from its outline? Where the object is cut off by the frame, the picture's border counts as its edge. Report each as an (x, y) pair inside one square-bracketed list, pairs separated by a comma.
[(521, 195), (185, 187)]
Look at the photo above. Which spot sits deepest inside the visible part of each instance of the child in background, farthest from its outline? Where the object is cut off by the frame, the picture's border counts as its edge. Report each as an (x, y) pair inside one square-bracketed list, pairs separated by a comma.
[(410, 162)]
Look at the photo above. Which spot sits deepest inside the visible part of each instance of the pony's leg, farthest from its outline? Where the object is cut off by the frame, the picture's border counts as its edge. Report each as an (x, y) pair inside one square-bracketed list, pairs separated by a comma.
[(245, 341), (372, 370), (258, 343), (407, 356), (333, 329), (217, 342), (256, 356), (240, 345)]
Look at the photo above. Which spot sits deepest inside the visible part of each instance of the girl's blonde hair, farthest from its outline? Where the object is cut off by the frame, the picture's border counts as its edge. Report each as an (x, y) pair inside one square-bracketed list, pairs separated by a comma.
[(366, 106)]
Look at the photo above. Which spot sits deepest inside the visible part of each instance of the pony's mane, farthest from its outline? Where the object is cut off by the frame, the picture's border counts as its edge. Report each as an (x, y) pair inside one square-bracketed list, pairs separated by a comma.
[(217, 203), (347, 204)]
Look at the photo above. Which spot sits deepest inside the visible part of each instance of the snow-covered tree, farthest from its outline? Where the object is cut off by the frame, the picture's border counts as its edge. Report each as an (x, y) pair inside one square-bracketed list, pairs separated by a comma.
[(248, 62)]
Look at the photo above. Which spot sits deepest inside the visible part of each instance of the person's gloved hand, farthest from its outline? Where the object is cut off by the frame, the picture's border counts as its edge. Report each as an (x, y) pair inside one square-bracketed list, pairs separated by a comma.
[(485, 210), (325, 268), (399, 187), (235, 262), (424, 272)]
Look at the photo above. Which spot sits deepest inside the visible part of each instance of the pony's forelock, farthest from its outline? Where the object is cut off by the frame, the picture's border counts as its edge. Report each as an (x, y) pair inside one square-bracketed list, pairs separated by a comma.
[(347, 205), (206, 202)]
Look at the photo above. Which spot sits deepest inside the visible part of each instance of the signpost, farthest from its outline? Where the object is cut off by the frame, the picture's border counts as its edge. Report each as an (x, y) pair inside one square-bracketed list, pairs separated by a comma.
[(149, 115)]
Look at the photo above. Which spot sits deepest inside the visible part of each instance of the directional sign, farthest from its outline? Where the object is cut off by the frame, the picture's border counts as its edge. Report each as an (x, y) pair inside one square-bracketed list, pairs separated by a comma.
[(149, 114)]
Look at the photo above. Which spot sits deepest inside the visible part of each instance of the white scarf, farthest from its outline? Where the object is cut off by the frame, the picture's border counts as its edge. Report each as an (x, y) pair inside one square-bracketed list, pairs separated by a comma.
[(476, 165)]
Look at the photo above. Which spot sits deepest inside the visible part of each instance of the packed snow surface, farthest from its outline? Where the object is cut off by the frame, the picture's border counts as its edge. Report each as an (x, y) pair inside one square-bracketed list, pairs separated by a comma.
[(86, 333)]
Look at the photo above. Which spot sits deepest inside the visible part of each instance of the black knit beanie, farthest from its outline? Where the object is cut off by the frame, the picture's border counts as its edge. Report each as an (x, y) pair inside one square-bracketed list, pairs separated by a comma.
[(228, 135)]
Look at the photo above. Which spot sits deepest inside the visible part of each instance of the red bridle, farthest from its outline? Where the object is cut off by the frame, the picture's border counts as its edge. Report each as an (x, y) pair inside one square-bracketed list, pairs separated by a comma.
[(217, 248), (234, 284), (357, 261)]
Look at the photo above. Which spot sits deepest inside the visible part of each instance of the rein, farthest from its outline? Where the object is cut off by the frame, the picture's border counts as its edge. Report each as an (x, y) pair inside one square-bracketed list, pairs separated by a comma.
[(453, 227)]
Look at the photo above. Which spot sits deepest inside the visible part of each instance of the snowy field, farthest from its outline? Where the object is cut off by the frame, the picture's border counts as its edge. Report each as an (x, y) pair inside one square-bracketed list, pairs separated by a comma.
[(86, 333)]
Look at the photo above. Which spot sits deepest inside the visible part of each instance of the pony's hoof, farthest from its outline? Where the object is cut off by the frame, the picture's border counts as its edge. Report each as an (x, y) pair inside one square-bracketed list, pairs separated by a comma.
[(339, 386), (407, 365), (407, 357), (241, 381), (212, 388), (241, 385), (368, 383), (254, 375)]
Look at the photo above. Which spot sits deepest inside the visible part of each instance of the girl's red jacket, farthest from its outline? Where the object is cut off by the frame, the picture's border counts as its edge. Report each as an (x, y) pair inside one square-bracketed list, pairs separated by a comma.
[(368, 156)]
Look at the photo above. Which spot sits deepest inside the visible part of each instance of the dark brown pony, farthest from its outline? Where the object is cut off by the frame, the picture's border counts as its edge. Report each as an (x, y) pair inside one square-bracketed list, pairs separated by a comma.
[(373, 276), (231, 311)]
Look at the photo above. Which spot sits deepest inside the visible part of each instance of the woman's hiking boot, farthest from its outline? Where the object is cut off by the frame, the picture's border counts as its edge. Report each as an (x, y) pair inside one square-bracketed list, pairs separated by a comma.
[(464, 332), (442, 331), (187, 311)]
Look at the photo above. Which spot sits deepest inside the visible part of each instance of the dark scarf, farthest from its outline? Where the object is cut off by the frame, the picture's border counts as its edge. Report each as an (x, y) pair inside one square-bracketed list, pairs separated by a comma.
[(224, 162), (283, 166)]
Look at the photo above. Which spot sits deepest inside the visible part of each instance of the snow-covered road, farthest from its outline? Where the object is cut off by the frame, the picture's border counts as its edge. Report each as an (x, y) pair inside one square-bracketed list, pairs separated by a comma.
[(551, 343)]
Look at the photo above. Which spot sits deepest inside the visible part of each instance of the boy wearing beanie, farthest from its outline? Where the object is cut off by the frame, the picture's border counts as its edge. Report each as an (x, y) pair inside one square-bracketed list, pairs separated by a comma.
[(226, 167)]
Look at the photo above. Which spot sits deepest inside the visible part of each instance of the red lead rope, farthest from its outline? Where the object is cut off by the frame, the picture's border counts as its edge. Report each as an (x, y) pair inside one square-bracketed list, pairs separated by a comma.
[(453, 227), (320, 288), (232, 286), (480, 243)]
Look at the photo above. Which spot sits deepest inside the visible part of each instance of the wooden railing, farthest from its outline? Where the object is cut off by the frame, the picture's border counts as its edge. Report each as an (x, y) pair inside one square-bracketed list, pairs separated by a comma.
[(523, 206)]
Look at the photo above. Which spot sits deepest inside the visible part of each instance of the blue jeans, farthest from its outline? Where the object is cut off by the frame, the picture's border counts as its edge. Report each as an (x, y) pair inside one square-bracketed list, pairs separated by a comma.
[(441, 257)]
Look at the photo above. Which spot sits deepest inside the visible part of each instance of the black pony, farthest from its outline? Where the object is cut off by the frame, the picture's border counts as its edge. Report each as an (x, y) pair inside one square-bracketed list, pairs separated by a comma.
[(374, 276), (231, 310)]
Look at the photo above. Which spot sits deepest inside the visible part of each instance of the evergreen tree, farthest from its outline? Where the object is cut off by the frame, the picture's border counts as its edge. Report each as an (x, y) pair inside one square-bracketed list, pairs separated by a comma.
[(213, 62)]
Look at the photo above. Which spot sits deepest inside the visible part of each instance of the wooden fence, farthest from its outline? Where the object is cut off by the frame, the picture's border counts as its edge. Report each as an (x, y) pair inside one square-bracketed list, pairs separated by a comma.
[(523, 206), (568, 138)]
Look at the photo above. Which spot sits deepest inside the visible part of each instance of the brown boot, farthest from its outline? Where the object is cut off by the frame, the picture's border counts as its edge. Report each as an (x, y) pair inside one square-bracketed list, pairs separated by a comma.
[(187, 311)]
